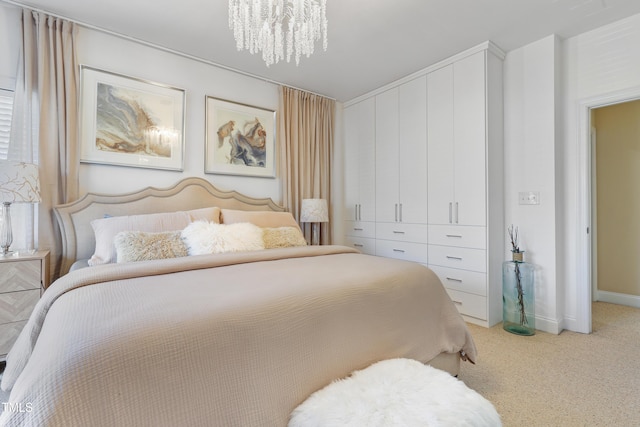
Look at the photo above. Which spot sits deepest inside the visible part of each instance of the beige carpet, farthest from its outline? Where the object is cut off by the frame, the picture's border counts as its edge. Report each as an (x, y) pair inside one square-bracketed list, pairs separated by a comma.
[(569, 379)]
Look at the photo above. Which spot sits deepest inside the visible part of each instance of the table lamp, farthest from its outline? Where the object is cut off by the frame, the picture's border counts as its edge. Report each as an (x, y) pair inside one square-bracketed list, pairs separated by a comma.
[(19, 183), (314, 211)]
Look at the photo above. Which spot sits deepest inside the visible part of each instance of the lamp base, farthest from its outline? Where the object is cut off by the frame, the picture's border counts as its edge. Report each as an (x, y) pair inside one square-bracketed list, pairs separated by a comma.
[(315, 234), (6, 235)]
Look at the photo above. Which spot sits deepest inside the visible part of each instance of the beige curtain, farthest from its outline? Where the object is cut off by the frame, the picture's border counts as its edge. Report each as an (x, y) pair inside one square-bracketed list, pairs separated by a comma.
[(45, 124), (306, 128)]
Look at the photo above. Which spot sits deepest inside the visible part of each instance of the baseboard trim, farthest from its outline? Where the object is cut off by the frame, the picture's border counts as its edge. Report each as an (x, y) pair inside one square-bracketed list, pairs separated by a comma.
[(616, 298)]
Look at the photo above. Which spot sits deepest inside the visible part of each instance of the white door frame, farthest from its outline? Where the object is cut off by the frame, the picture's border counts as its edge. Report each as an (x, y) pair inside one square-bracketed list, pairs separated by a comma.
[(584, 227)]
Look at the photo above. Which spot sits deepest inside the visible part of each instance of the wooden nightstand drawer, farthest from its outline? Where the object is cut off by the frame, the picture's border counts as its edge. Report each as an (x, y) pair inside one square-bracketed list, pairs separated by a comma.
[(16, 306), (9, 334), (23, 277), (20, 275)]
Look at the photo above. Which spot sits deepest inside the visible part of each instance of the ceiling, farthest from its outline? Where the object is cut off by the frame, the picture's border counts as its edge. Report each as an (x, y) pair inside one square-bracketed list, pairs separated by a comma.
[(371, 42)]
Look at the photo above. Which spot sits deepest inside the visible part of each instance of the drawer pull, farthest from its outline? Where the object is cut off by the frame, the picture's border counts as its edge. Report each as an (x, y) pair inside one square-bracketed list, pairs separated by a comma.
[(454, 235), (398, 250), (454, 280), (398, 232), (454, 257), (358, 229), (358, 245), (457, 302)]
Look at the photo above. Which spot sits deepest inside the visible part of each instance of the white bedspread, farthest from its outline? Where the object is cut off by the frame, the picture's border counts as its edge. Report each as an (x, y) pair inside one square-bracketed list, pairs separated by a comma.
[(224, 340)]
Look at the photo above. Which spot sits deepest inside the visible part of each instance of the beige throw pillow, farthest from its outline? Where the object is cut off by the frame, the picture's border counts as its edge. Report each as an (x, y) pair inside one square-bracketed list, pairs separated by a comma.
[(282, 237), (141, 246), (259, 218)]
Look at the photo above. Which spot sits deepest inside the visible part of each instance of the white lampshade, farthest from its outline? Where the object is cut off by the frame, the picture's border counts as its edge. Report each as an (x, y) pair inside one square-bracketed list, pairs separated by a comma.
[(314, 210), (19, 182)]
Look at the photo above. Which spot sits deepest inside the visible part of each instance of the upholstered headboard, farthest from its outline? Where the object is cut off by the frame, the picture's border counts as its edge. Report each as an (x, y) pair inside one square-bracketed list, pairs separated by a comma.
[(74, 219)]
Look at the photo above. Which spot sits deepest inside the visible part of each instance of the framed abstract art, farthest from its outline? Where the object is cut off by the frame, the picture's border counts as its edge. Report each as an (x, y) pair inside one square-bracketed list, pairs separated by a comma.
[(128, 121), (240, 139)]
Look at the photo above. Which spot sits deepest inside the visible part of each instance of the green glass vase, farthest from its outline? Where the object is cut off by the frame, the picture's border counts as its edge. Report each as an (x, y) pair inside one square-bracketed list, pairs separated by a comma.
[(518, 297)]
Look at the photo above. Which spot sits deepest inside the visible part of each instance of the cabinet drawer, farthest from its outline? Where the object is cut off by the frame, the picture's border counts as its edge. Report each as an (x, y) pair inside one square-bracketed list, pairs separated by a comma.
[(9, 334), (15, 306), (462, 280), (363, 244), (20, 275), (401, 232), (416, 252), (469, 304), (462, 236), (462, 258), (360, 229)]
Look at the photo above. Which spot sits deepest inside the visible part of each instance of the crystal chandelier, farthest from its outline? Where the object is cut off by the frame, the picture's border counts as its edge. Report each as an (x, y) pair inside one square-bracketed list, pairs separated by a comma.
[(266, 25)]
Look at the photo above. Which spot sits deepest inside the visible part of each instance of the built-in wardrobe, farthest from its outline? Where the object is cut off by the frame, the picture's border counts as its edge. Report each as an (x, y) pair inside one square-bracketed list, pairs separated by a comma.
[(424, 176)]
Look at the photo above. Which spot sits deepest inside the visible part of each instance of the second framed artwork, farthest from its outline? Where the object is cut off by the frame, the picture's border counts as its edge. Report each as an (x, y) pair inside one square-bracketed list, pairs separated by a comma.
[(240, 139)]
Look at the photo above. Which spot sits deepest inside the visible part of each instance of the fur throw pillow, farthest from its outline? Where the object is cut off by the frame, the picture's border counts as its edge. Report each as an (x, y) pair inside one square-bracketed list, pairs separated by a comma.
[(202, 237), (142, 246), (282, 237)]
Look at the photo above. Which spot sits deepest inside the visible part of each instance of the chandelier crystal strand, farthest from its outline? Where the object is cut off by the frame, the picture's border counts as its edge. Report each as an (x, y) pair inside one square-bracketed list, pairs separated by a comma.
[(270, 25)]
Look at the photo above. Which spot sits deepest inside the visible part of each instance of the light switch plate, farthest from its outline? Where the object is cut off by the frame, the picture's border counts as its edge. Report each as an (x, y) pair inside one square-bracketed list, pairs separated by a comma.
[(529, 197)]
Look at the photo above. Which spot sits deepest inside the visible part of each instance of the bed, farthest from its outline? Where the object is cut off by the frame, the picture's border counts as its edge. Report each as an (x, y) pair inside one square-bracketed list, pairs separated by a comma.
[(229, 339)]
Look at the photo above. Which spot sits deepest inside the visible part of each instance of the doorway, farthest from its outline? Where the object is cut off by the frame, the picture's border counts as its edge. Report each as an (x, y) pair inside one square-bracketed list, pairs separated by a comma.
[(615, 151), (585, 218)]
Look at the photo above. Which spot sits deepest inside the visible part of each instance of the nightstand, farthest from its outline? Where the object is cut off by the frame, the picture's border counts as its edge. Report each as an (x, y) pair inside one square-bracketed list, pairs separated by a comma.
[(23, 278)]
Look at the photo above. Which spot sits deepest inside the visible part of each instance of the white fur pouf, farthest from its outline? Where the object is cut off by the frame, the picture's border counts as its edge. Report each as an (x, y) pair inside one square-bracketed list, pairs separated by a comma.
[(396, 393)]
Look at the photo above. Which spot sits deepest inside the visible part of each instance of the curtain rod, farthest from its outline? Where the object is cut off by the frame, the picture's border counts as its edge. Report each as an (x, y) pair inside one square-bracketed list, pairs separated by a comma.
[(158, 47)]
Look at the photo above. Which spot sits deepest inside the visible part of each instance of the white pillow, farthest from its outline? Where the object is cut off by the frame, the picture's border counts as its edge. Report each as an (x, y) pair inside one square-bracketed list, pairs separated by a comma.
[(202, 237), (105, 229)]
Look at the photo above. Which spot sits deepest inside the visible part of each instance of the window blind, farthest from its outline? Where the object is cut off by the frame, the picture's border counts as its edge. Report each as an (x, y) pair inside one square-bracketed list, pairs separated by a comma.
[(6, 110)]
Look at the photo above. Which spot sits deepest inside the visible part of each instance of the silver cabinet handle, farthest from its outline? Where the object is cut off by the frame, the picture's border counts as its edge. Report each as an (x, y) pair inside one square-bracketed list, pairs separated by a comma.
[(454, 235), (358, 245), (450, 208), (456, 302), (456, 212), (454, 257), (356, 213), (398, 250), (360, 212), (398, 232), (454, 280), (400, 212), (396, 212), (357, 229)]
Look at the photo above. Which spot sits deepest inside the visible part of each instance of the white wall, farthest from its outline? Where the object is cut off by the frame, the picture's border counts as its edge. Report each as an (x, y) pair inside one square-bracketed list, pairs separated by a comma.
[(529, 141), (9, 36)]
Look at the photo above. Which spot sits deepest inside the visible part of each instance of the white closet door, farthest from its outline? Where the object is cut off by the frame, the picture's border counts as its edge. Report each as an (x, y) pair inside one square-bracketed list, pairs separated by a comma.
[(440, 181), (351, 154), (412, 124), (367, 161), (359, 179), (469, 140), (387, 156)]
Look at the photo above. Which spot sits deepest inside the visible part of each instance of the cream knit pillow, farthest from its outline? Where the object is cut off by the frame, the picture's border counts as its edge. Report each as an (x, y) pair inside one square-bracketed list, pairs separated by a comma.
[(141, 246), (282, 237)]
